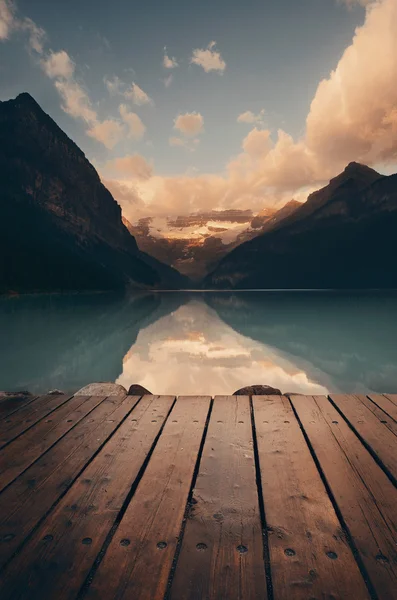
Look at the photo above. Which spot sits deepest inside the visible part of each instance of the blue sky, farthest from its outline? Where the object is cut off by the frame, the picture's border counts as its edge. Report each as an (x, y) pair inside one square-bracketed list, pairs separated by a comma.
[(276, 53)]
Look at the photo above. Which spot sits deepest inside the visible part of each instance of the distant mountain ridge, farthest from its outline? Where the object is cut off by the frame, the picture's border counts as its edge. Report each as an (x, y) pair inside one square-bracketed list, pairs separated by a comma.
[(194, 244), (342, 237), (60, 228)]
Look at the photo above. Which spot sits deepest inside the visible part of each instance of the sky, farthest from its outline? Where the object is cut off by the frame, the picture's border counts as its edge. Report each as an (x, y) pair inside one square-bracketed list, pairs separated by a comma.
[(187, 106)]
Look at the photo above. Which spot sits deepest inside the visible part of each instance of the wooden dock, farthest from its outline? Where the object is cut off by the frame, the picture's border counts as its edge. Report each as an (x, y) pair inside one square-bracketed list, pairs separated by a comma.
[(186, 498)]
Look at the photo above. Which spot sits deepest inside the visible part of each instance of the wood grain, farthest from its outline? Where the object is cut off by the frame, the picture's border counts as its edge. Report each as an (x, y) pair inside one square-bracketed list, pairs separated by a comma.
[(9, 406), (310, 557), (385, 404), (380, 439), (63, 549), (32, 495), (224, 518), (365, 496), (138, 561), (27, 416), (27, 448)]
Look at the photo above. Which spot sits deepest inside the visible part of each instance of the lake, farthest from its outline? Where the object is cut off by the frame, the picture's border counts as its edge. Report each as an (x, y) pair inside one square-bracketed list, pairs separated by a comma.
[(201, 343)]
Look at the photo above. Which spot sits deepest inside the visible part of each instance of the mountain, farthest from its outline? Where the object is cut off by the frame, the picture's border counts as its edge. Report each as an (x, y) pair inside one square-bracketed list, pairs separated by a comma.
[(268, 221), (60, 228), (342, 237), (195, 244)]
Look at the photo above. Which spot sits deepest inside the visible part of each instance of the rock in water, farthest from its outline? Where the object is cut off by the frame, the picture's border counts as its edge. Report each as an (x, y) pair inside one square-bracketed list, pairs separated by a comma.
[(138, 390), (102, 389), (258, 390)]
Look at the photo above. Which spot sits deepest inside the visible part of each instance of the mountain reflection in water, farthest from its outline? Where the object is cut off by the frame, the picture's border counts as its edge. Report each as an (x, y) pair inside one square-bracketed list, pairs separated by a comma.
[(201, 343)]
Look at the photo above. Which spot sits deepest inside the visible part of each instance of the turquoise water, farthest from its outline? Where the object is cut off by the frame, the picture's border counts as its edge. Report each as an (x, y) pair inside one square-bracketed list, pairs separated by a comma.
[(201, 343)]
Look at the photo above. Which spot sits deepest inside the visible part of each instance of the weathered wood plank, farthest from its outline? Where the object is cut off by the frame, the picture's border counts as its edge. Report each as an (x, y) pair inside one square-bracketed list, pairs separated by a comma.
[(224, 518), (392, 397), (385, 404), (28, 447), (9, 406), (377, 435), (27, 416), (309, 555), (379, 412), (63, 549), (138, 561), (365, 496), (32, 495)]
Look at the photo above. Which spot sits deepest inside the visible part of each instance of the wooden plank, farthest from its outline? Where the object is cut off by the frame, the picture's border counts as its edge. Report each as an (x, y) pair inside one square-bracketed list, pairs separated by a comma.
[(138, 561), (365, 496), (32, 495), (380, 440), (27, 416), (62, 550), (385, 404), (392, 398), (28, 447), (224, 516), (379, 412), (9, 406), (309, 555)]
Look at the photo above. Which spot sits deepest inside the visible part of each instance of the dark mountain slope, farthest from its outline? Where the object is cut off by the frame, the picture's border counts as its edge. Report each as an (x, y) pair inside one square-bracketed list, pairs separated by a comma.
[(268, 221), (343, 237), (60, 228)]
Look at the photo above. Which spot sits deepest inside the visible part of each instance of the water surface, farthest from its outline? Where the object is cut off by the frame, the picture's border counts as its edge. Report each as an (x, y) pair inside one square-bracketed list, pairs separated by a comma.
[(201, 343)]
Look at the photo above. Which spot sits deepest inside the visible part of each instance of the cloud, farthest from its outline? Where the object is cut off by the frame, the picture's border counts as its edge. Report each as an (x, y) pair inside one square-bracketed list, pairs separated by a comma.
[(36, 35), (257, 142), (114, 85), (131, 166), (189, 144), (168, 80), (250, 117), (189, 124), (352, 3), (353, 116), (109, 132), (168, 62), (10, 23), (208, 58), (76, 102), (353, 113), (7, 19), (136, 129), (58, 64), (137, 95)]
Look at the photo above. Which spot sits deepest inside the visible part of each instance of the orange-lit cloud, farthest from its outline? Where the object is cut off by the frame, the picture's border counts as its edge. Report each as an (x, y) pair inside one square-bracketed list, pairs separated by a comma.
[(169, 62), (109, 132), (188, 144), (249, 117), (76, 102), (136, 129), (131, 166), (208, 58), (257, 143), (353, 116), (7, 19), (137, 95), (114, 85), (189, 124), (353, 113), (58, 64)]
